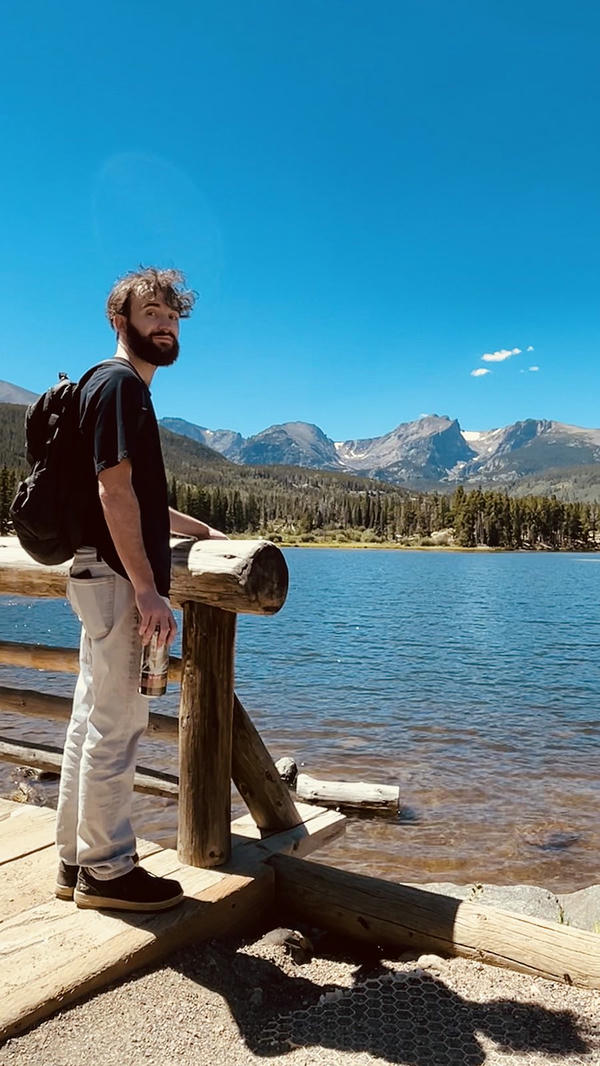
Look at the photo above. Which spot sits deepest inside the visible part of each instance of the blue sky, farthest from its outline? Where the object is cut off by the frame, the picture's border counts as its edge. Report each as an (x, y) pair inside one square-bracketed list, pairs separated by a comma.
[(368, 196)]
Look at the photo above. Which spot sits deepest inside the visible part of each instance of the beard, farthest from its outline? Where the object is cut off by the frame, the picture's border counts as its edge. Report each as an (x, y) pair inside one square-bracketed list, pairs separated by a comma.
[(147, 349)]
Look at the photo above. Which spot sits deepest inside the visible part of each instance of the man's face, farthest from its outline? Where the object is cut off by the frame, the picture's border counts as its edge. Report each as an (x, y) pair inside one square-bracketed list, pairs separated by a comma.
[(152, 330)]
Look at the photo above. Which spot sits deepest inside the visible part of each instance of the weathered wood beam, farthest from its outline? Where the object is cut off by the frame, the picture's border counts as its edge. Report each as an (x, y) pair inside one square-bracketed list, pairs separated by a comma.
[(244, 576), (52, 956), (205, 735), (256, 777), (58, 709), (59, 660), (397, 917), (48, 757), (357, 795)]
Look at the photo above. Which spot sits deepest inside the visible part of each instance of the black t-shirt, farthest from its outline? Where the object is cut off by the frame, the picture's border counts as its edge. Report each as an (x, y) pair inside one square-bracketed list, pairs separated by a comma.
[(117, 421)]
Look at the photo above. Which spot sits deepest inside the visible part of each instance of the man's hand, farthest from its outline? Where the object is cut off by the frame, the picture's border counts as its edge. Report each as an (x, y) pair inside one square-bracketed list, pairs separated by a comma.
[(186, 526), (155, 613)]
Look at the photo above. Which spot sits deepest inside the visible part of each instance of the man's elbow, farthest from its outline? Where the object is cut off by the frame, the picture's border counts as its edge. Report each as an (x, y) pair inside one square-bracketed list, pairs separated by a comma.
[(114, 484)]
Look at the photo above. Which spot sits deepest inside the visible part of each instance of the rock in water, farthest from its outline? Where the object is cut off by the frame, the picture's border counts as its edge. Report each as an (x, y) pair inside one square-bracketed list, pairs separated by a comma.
[(287, 770)]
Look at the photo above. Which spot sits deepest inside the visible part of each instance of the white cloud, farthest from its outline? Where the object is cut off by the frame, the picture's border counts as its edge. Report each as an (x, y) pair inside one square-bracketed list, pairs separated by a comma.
[(481, 370), (500, 355), (534, 368), (496, 357), (530, 348)]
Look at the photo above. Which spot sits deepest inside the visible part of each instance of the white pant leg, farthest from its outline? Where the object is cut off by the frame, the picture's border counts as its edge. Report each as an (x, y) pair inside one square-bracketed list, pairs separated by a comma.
[(68, 797), (109, 716)]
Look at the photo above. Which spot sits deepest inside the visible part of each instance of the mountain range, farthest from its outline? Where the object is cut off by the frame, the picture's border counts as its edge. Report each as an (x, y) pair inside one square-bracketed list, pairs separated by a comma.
[(431, 450), (15, 394), (538, 456)]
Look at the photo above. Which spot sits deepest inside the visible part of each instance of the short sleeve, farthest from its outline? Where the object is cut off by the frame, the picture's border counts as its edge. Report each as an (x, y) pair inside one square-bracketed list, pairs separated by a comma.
[(114, 414)]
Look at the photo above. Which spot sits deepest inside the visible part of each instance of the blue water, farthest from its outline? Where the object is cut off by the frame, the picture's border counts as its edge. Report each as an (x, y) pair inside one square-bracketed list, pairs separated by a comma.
[(472, 680)]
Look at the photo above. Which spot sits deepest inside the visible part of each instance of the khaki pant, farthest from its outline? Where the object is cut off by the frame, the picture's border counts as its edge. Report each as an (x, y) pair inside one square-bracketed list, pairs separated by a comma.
[(93, 826)]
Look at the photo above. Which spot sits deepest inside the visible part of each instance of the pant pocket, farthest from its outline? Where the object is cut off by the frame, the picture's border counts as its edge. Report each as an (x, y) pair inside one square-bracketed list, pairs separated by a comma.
[(93, 600)]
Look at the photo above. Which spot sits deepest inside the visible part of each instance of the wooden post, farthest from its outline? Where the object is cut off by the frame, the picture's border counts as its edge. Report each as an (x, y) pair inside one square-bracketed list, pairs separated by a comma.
[(205, 735), (256, 778)]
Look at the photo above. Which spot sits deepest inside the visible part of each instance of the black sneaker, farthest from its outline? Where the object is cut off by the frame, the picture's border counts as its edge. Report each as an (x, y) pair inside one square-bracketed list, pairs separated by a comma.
[(138, 890), (66, 878)]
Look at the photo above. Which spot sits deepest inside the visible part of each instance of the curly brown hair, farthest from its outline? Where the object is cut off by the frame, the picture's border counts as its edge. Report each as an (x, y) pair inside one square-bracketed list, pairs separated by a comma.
[(150, 281)]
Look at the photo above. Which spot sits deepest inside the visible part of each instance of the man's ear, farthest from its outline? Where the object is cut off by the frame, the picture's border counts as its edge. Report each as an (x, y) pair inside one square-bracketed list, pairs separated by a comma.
[(119, 324)]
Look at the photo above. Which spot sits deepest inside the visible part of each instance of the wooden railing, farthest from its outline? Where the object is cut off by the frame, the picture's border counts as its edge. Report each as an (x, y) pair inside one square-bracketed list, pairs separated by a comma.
[(212, 581)]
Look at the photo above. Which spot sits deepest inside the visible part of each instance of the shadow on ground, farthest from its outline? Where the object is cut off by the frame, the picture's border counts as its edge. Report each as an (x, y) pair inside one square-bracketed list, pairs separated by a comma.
[(408, 1017)]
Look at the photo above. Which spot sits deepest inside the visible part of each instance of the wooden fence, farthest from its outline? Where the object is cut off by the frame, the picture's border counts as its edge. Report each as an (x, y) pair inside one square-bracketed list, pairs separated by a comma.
[(212, 581)]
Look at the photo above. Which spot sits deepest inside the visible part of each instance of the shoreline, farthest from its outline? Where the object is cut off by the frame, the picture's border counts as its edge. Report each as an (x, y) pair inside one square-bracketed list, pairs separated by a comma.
[(389, 545), (481, 549)]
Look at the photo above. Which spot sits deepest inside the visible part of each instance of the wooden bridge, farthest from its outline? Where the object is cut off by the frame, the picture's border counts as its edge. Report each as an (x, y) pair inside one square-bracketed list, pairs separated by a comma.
[(51, 953)]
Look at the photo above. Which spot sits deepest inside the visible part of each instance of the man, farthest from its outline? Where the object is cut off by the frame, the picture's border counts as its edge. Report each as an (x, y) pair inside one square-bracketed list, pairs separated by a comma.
[(118, 586)]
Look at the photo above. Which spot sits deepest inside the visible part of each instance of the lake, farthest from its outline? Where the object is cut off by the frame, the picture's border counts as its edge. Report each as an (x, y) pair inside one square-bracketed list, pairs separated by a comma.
[(471, 680)]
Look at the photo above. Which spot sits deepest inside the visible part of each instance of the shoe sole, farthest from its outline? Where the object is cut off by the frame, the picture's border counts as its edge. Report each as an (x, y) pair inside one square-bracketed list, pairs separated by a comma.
[(83, 900), (63, 892)]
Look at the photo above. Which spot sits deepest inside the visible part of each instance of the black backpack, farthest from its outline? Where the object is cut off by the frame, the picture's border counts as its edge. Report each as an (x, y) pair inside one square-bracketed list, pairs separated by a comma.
[(48, 510)]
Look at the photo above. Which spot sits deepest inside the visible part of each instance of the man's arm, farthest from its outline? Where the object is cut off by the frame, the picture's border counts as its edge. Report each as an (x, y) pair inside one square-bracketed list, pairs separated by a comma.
[(122, 513), (193, 527)]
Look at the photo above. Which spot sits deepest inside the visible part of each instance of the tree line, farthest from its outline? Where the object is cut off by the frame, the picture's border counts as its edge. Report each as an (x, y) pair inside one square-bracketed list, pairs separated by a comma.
[(472, 518), (287, 502)]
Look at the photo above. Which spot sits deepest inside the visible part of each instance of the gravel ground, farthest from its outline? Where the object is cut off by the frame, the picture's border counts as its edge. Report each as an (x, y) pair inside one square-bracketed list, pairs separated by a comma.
[(237, 1002)]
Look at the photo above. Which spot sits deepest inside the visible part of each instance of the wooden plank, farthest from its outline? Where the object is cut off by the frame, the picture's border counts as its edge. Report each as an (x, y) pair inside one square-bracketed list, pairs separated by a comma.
[(25, 829), (251, 845), (52, 953), (6, 808), (378, 912), (60, 925), (205, 735), (90, 949), (246, 826), (29, 880)]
